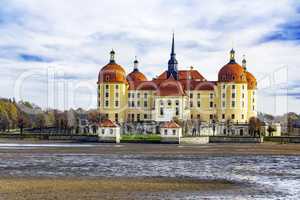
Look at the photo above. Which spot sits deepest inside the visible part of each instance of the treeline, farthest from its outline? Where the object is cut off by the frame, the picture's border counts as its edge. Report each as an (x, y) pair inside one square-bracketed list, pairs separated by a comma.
[(25, 115)]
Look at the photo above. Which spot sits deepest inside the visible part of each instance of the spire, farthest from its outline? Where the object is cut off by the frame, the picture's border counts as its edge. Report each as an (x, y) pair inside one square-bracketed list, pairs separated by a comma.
[(172, 64), (173, 46), (244, 63), (232, 56), (136, 64), (112, 56)]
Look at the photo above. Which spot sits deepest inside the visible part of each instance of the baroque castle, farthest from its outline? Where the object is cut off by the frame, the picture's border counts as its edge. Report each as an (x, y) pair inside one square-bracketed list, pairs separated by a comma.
[(177, 94)]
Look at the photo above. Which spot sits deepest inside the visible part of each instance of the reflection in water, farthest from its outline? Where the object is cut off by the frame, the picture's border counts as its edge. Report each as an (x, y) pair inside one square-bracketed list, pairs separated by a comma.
[(268, 177)]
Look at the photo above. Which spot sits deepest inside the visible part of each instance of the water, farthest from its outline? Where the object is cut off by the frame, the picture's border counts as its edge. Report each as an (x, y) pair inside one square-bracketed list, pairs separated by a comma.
[(263, 177)]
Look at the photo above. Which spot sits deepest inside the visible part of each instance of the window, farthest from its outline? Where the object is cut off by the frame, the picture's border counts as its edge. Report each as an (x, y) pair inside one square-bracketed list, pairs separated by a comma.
[(191, 95), (211, 116), (161, 102), (107, 78), (243, 104), (233, 95), (192, 116), (177, 103), (198, 95), (253, 100), (117, 103), (243, 95), (106, 103), (232, 116), (191, 104), (129, 95), (117, 87), (138, 95), (138, 104), (132, 104), (129, 104), (243, 87), (106, 94), (132, 95), (117, 95), (174, 132), (233, 104), (224, 87), (166, 132), (198, 104), (138, 117), (169, 102), (223, 116), (233, 87), (223, 104), (145, 95), (106, 87), (132, 117), (111, 131), (161, 111), (211, 104), (103, 131), (145, 116), (116, 117), (223, 95), (211, 95), (145, 104), (198, 116), (177, 111), (243, 116)]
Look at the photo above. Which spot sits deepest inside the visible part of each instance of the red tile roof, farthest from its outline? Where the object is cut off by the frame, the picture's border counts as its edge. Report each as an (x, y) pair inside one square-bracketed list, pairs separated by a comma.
[(108, 124), (170, 87), (184, 75), (171, 124)]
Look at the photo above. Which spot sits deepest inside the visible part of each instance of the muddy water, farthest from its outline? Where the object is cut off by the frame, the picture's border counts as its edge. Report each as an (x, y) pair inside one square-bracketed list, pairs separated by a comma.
[(261, 176)]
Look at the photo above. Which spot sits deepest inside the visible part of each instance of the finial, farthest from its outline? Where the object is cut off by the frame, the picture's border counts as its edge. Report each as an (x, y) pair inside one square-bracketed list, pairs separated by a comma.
[(136, 63), (112, 56), (232, 55), (244, 63)]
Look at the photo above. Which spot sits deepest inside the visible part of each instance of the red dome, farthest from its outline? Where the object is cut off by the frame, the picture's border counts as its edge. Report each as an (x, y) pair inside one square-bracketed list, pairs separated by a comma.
[(136, 75), (251, 80), (170, 87), (112, 73), (232, 72)]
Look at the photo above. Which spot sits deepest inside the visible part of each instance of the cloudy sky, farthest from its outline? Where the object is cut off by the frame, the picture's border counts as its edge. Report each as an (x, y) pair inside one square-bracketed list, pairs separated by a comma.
[(52, 50)]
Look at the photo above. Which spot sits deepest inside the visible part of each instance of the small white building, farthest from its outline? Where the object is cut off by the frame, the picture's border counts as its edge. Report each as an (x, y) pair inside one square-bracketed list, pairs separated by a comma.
[(170, 132), (109, 132)]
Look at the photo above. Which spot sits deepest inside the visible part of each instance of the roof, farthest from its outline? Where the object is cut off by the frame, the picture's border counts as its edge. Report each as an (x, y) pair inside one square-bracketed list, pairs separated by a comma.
[(112, 73), (251, 80), (184, 75), (108, 124), (136, 75), (170, 87), (170, 124), (232, 72)]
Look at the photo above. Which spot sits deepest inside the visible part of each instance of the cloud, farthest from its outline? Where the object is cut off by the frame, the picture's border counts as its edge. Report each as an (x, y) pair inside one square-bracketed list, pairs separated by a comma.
[(75, 37)]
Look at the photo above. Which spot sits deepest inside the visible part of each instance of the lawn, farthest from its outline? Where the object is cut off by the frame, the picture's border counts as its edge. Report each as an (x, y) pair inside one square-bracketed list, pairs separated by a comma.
[(141, 138)]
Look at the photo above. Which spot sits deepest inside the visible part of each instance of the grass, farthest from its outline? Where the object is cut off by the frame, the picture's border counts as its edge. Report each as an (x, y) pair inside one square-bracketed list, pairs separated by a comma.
[(141, 138)]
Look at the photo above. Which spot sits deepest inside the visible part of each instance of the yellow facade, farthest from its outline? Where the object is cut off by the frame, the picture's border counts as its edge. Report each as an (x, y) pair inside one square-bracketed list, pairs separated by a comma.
[(231, 98)]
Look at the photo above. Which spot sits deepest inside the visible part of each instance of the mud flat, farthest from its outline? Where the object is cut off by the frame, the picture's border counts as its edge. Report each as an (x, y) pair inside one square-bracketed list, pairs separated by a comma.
[(104, 188)]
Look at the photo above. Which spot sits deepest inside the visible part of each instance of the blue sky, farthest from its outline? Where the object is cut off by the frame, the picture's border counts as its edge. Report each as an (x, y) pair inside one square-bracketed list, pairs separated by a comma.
[(72, 38)]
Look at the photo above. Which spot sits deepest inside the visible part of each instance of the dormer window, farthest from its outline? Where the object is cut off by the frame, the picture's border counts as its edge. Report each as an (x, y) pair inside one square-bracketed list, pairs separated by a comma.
[(107, 77)]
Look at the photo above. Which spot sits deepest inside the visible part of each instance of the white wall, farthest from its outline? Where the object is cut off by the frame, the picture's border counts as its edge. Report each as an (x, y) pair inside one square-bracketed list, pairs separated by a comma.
[(168, 132)]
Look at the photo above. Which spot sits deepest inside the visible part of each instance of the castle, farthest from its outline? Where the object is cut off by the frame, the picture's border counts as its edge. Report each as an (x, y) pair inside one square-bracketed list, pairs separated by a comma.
[(177, 94)]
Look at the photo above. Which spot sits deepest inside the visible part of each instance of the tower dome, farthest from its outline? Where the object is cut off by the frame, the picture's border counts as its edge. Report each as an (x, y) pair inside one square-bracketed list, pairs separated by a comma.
[(232, 72), (136, 75), (112, 72)]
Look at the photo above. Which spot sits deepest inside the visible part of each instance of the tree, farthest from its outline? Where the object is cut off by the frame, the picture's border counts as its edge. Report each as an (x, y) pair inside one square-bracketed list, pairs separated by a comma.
[(270, 130), (40, 121), (254, 126)]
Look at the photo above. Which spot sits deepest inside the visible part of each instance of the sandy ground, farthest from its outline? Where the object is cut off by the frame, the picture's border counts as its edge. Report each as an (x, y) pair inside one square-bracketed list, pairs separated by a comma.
[(92, 189)]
